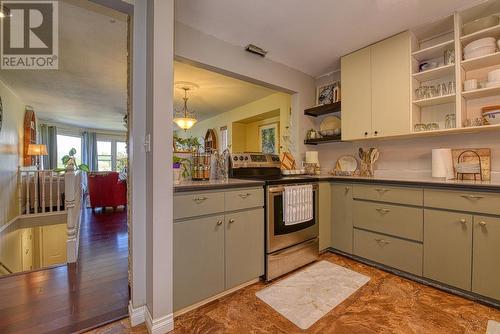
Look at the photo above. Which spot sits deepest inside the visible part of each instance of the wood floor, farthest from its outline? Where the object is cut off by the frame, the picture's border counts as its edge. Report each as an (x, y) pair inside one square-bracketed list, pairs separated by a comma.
[(72, 298), (386, 304)]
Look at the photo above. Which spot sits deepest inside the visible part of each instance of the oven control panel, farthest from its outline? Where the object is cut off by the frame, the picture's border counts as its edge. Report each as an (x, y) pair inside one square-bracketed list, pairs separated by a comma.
[(252, 160)]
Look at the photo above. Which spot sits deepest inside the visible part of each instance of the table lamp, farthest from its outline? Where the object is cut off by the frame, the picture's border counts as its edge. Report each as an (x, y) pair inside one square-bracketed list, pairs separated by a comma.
[(37, 150)]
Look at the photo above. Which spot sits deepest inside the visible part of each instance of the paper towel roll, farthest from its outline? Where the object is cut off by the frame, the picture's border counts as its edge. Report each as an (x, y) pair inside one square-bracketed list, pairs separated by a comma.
[(312, 157), (442, 163)]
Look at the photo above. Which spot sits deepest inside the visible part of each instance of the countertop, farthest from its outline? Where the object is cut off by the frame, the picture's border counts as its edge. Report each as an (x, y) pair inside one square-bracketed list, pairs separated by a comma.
[(215, 184), (420, 181)]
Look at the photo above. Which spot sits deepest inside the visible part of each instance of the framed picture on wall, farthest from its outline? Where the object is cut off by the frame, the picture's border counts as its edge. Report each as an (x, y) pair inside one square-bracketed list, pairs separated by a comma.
[(327, 94), (269, 138)]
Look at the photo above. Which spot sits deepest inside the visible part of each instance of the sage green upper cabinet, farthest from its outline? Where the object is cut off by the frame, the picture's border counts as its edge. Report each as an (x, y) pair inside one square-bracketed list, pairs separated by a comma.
[(391, 86), (244, 247), (356, 95), (376, 90), (342, 236), (198, 260), (448, 247), (486, 254)]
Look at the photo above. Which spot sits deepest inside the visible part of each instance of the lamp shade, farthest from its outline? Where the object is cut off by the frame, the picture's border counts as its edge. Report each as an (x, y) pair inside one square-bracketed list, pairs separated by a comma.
[(37, 149)]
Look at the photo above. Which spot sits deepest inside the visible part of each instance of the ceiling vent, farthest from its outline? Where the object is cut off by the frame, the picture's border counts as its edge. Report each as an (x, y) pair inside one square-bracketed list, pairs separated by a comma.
[(255, 49)]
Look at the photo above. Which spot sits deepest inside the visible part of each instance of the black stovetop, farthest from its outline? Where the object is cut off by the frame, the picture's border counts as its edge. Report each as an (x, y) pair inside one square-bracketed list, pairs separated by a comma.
[(281, 179)]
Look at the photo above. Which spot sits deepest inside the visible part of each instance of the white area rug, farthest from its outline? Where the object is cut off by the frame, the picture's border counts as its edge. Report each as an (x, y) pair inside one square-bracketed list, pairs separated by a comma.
[(306, 296), (493, 327)]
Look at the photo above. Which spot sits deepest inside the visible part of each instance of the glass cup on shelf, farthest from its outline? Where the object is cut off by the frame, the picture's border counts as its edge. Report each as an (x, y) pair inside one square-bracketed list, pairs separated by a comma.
[(419, 127), (435, 91), (450, 121), (432, 126), (444, 89), (451, 87)]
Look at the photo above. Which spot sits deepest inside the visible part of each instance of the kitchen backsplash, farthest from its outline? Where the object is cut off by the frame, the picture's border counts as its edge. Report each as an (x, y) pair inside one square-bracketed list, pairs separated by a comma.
[(412, 157)]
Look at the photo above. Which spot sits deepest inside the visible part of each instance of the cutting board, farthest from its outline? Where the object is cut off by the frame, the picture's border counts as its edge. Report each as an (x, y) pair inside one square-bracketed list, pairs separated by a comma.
[(484, 155)]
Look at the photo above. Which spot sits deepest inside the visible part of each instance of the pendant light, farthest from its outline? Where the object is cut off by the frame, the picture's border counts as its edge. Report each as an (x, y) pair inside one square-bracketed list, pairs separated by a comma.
[(185, 122)]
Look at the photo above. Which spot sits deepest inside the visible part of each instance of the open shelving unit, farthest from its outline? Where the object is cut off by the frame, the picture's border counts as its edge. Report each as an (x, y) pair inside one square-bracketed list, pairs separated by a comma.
[(429, 43), (333, 109), (471, 102)]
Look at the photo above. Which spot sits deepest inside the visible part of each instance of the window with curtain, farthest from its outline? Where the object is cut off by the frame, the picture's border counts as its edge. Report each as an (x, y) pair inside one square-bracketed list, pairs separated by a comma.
[(112, 155), (223, 140), (64, 144)]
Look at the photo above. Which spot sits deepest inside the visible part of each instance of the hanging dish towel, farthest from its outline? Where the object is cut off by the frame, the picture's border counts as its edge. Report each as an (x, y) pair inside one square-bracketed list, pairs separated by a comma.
[(297, 204)]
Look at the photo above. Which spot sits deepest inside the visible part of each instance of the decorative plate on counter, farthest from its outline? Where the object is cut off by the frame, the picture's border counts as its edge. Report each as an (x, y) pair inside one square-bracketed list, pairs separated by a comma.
[(346, 165)]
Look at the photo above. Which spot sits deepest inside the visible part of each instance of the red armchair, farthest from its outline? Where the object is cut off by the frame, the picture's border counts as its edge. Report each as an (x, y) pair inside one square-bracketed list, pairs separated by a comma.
[(106, 190)]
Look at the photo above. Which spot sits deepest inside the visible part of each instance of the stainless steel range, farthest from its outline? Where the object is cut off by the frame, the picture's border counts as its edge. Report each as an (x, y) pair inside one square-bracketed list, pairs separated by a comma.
[(288, 247)]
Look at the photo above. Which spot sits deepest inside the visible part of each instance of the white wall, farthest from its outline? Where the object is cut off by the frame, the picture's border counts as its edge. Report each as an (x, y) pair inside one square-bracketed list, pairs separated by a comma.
[(214, 54), (11, 148), (412, 157)]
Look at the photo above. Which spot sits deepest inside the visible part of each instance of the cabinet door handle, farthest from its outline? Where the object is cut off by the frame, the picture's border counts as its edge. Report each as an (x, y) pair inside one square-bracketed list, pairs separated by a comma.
[(383, 211), (200, 199), (382, 190), (376, 133), (231, 221), (382, 241), (243, 196), (219, 222), (482, 224), (366, 133), (463, 221), (472, 197)]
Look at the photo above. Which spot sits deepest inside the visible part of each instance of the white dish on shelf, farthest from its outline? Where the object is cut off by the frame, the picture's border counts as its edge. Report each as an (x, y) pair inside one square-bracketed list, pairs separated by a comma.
[(492, 117), (494, 75), (470, 85), (330, 126), (479, 24), (480, 52), (480, 43), (491, 84)]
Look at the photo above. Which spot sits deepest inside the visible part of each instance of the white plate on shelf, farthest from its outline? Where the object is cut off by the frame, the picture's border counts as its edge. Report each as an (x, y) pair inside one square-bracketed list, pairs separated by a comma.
[(330, 124)]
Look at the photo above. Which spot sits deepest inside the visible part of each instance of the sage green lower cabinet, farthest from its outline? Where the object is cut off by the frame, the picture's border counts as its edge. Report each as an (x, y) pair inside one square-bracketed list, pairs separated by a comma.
[(398, 253), (448, 247), (198, 260), (219, 249), (341, 194), (486, 257), (244, 247), (325, 217)]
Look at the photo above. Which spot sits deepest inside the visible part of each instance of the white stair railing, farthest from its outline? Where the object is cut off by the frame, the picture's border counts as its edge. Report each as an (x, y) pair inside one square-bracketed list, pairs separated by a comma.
[(73, 205), (39, 191)]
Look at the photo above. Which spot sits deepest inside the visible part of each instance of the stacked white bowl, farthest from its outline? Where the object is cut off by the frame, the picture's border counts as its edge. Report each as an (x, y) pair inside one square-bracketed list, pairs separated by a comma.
[(480, 47), (493, 78)]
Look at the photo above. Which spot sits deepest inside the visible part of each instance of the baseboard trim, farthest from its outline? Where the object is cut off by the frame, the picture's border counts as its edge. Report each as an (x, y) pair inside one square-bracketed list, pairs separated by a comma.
[(211, 299), (160, 325), (422, 280), (136, 315)]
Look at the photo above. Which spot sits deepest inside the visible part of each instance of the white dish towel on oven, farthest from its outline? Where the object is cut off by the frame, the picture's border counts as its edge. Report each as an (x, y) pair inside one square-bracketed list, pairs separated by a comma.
[(297, 204)]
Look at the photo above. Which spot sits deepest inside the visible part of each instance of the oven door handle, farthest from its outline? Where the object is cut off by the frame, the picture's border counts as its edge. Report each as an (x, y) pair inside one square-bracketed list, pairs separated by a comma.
[(282, 188)]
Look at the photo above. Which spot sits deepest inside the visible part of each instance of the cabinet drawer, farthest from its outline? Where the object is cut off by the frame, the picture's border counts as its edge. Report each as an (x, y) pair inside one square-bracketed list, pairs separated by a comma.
[(463, 201), (391, 194), (197, 204), (244, 199), (401, 221), (393, 252)]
